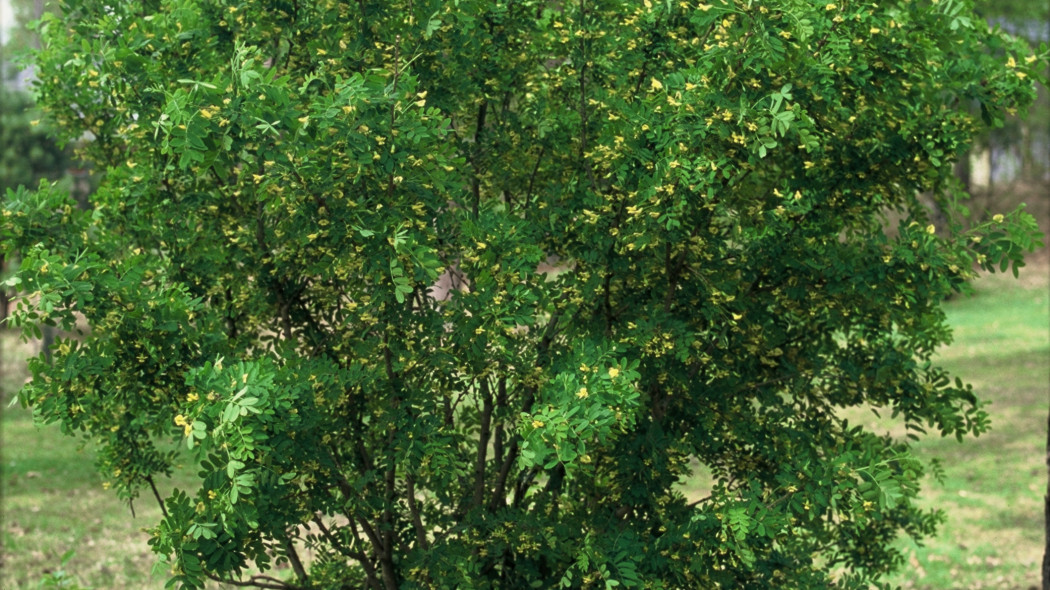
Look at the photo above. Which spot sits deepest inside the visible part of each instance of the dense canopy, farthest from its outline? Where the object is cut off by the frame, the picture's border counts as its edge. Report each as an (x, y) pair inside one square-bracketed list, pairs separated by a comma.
[(672, 239)]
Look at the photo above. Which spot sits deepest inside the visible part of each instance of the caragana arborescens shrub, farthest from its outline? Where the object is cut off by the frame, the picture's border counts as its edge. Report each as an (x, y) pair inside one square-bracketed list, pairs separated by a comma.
[(666, 227)]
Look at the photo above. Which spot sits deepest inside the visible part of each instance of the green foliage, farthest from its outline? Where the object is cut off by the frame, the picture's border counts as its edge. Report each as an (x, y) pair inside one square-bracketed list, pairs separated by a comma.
[(59, 578), (27, 153), (285, 182)]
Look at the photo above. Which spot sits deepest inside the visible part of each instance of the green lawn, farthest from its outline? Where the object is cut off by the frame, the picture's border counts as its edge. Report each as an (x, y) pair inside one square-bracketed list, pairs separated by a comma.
[(994, 486), (53, 501)]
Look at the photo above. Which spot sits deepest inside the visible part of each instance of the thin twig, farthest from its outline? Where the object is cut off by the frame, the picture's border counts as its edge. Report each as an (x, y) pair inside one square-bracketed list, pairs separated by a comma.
[(258, 581), (156, 495)]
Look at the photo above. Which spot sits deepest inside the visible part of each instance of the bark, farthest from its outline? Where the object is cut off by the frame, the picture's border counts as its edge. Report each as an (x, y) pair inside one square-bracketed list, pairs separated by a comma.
[(1046, 513)]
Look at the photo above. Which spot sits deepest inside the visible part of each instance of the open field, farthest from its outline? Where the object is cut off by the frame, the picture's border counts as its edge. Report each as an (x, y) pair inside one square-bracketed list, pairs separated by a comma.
[(994, 485), (992, 494)]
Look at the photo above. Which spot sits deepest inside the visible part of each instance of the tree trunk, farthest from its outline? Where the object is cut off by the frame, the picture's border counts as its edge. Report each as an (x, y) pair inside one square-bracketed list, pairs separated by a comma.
[(1046, 512), (4, 299)]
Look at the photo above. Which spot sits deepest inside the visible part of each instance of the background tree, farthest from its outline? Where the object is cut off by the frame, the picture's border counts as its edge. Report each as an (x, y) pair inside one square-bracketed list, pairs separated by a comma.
[(28, 152), (284, 181), (1013, 158), (27, 155)]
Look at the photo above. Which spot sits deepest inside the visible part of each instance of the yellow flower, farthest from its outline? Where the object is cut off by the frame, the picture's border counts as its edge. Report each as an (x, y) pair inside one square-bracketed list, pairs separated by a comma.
[(998, 218), (187, 428), (582, 393), (613, 372), (830, 7), (537, 424), (657, 85)]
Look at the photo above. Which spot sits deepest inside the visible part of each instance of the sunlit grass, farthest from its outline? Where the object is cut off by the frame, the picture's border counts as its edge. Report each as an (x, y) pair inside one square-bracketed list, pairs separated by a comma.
[(54, 502), (994, 485)]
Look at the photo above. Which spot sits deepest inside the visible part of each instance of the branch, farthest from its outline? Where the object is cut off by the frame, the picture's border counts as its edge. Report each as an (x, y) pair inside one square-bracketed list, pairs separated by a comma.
[(393, 104), (258, 581), (483, 443), (524, 484), (383, 554), (386, 555), (532, 178), (293, 558), (583, 101), (413, 509), (501, 403), (156, 495), (370, 569), (337, 544), (698, 502), (476, 152), (672, 277), (499, 493)]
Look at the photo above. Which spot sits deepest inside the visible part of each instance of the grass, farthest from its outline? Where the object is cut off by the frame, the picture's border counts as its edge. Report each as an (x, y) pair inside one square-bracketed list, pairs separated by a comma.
[(53, 502), (992, 494), (994, 485)]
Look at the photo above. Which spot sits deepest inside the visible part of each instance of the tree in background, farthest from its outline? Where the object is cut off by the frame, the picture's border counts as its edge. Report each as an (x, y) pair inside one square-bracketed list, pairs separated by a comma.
[(27, 152), (27, 155), (285, 182), (1015, 155)]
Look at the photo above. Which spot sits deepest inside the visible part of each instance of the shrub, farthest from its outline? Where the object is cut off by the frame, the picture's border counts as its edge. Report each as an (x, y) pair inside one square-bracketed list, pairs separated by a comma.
[(667, 221)]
